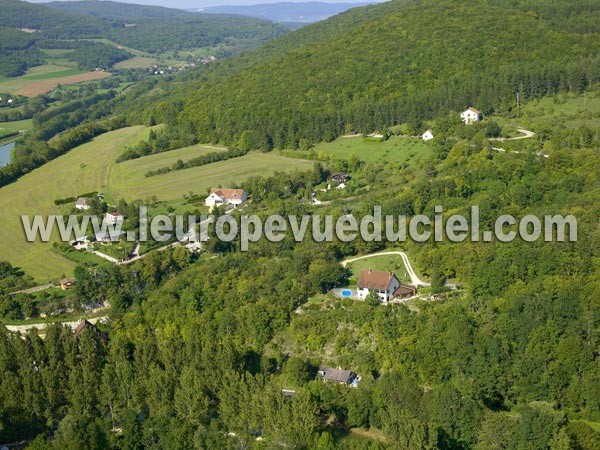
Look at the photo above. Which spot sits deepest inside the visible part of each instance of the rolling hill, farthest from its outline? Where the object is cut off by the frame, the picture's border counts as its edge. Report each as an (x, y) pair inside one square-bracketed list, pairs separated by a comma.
[(303, 12), (401, 61), (142, 28)]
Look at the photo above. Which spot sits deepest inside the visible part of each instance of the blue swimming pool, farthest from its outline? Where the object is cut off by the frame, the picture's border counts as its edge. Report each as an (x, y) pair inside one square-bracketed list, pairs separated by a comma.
[(347, 293)]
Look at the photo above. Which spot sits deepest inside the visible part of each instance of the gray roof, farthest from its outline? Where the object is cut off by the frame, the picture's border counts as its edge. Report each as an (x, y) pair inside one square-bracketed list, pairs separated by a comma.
[(337, 375)]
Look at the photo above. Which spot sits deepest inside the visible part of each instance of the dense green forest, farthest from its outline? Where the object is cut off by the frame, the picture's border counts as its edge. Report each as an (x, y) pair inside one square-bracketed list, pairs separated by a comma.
[(388, 64), (200, 349)]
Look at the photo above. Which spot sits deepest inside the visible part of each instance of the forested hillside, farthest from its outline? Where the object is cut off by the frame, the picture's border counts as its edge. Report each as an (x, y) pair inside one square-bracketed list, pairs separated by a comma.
[(199, 350), (17, 52), (392, 63)]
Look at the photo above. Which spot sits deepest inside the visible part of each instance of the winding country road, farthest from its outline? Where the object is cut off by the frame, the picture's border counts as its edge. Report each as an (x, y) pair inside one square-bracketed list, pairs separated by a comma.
[(526, 135), (414, 279)]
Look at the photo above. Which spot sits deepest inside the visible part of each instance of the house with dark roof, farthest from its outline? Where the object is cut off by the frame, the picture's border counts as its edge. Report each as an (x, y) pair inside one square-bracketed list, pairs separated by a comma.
[(86, 326), (383, 283), (339, 178), (341, 376)]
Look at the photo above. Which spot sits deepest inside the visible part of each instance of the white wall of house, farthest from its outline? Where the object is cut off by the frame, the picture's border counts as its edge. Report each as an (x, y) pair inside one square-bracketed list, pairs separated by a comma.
[(213, 200), (470, 116), (113, 220), (427, 136), (384, 296)]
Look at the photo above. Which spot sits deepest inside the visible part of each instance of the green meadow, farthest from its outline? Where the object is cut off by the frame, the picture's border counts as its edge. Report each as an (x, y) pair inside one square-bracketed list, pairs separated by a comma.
[(92, 167), (405, 150)]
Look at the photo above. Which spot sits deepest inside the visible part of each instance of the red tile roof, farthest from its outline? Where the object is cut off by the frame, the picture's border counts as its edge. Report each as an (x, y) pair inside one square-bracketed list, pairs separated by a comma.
[(229, 194), (375, 279)]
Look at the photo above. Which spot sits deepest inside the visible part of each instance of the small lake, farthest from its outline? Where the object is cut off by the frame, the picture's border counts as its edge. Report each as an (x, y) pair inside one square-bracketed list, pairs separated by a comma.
[(5, 153)]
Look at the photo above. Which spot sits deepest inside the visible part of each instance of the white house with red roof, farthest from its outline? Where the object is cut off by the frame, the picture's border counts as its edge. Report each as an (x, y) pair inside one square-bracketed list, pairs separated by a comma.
[(471, 115), (218, 197), (384, 284)]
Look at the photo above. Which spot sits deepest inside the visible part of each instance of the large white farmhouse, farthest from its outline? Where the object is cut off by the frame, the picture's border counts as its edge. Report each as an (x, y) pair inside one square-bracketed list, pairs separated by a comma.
[(385, 284), (219, 197), (471, 115)]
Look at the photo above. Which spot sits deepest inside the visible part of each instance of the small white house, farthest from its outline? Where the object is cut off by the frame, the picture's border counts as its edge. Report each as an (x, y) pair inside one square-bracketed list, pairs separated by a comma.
[(218, 197), (471, 115), (113, 218), (428, 135), (383, 283), (82, 204)]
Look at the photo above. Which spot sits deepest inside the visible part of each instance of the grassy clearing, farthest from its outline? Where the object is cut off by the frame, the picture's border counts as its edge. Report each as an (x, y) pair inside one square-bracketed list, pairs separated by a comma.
[(91, 167), (19, 125), (132, 184), (137, 168), (407, 150), (571, 110), (385, 263), (138, 62), (363, 434)]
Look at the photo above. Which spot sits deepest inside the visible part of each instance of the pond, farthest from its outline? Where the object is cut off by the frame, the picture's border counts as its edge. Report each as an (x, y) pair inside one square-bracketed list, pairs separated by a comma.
[(5, 153)]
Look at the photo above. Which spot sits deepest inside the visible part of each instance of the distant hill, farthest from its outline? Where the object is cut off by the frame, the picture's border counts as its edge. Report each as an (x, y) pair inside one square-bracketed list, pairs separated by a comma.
[(116, 10), (293, 13), (396, 62), (145, 28)]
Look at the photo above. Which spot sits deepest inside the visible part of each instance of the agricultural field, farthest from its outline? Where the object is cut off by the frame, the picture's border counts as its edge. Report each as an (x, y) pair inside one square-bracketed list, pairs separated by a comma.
[(405, 150), (19, 125), (92, 167), (132, 184), (42, 79)]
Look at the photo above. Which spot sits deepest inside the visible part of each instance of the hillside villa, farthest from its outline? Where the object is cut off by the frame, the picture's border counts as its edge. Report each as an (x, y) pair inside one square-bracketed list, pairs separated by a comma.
[(471, 115), (385, 284), (219, 197)]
